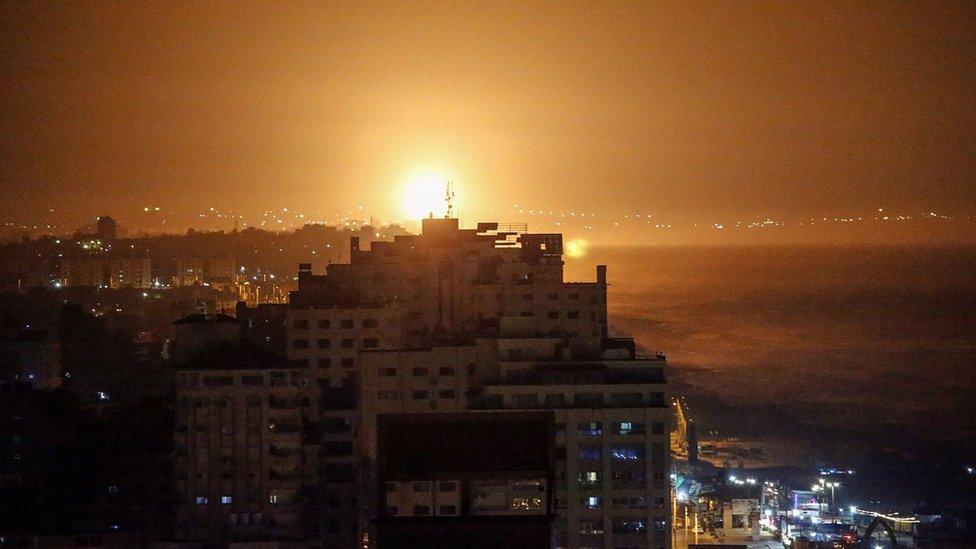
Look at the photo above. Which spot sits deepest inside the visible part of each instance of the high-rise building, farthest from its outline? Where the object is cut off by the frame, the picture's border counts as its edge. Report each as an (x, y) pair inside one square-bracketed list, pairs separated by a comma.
[(241, 463), (452, 323), (455, 320), (612, 414)]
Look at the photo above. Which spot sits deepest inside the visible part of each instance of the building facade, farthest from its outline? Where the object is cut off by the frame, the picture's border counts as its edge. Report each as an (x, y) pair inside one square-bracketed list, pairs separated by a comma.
[(451, 321), (240, 446)]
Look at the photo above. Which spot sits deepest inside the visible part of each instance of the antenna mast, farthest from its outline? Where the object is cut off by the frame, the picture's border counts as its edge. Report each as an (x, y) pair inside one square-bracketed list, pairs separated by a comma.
[(449, 198)]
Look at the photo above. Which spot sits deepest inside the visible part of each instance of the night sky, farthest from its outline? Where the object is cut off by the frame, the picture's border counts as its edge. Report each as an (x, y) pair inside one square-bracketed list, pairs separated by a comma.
[(684, 110)]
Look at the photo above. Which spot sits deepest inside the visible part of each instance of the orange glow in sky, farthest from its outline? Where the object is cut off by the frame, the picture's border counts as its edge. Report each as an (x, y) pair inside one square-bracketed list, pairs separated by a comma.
[(424, 194)]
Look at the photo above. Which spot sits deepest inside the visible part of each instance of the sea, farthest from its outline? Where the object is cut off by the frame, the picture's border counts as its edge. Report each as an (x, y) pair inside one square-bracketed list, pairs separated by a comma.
[(868, 353)]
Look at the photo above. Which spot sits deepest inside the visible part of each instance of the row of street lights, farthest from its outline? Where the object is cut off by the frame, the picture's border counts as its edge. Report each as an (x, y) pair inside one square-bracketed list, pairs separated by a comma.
[(822, 486)]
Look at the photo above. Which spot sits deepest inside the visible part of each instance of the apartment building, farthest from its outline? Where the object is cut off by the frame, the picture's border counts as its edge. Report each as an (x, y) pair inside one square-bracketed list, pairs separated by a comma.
[(129, 273), (458, 320), (240, 438), (612, 460), (83, 272)]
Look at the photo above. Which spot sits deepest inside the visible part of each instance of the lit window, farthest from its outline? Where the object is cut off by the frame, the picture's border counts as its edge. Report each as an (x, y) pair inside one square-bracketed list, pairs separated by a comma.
[(589, 477), (201, 500), (272, 498), (226, 500), (591, 502), (627, 453)]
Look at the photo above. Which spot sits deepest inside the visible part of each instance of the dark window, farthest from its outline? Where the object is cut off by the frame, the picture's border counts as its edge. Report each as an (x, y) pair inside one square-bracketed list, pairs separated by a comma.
[(526, 297), (446, 371), (446, 510), (553, 296), (626, 399), (347, 363), (301, 324), (300, 344), (370, 323), (572, 314), (370, 343), (325, 363), (215, 381), (657, 428), (324, 324), (446, 486), (420, 371), (252, 380), (445, 393), (588, 400), (590, 453), (553, 314), (421, 510), (347, 344), (333, 448), (347, 324), (556, 400), (325, 343), (574, 296), (388, 372), (418, 395)]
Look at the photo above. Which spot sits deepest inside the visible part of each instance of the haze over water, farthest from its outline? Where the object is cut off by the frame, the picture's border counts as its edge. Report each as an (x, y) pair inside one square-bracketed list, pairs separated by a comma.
[(851, 348)]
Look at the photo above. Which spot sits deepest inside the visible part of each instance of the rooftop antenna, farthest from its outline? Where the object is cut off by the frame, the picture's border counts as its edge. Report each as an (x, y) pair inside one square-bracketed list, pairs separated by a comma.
[(449, 198)]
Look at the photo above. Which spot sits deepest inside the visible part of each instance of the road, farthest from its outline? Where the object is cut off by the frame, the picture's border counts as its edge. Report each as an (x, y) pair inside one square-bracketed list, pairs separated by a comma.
[(682, 538)]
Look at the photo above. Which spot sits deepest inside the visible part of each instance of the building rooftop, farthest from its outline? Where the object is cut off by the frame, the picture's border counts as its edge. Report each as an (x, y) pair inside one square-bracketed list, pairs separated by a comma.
[(201, 318)]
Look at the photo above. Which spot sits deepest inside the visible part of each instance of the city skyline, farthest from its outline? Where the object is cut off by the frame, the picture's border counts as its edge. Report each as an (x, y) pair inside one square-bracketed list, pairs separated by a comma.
[(693, 111), (425, 274)]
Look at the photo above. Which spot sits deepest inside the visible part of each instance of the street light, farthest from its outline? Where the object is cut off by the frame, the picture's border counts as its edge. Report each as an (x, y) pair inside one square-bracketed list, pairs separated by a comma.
[(822, 487), (819, 488)]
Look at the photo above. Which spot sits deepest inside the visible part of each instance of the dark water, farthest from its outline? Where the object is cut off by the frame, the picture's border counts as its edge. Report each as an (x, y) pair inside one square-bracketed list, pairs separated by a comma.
[(854, 349)]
